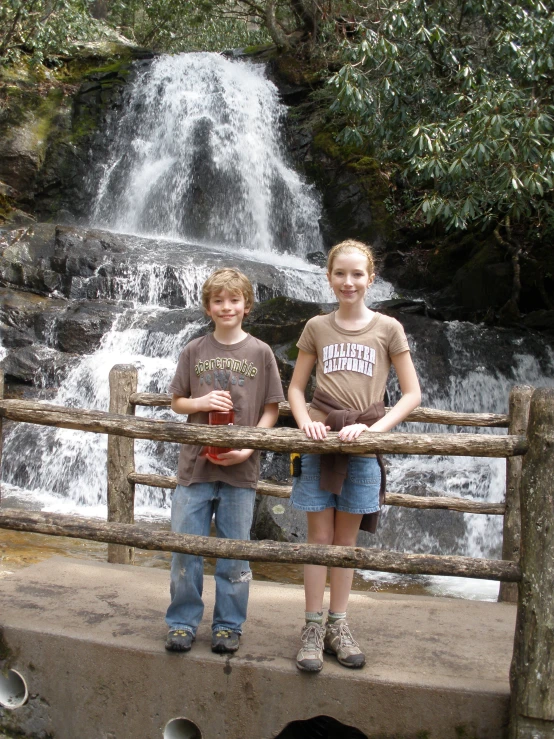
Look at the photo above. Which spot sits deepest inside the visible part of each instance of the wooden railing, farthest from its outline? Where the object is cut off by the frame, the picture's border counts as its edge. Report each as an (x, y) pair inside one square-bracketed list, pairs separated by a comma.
[(528, 509)]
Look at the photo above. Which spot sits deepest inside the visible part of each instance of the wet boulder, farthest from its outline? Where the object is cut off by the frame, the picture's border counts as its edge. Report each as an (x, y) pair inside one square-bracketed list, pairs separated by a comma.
[(37, 365), (279, 320), (79, 328)]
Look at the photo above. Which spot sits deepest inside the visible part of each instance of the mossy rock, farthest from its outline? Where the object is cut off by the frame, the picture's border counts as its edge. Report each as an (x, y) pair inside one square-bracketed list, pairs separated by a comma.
[(354, 189), (325, 141), (280, 320), (298, 72), (47, 126)]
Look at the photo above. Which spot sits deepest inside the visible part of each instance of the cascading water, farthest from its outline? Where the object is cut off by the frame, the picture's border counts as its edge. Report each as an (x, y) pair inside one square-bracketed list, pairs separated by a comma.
[(197, 155), (197, 173), (478, 366)]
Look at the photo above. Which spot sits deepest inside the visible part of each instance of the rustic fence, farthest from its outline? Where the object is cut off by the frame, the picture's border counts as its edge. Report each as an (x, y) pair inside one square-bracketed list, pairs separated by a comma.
[(526, 571)]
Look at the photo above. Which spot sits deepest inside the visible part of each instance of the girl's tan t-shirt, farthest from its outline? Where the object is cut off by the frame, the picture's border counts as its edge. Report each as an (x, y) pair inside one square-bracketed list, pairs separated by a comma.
[(352, 366)]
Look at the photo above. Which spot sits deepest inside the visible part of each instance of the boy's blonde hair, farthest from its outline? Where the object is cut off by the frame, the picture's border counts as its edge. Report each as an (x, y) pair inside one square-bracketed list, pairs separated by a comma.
[(347, 247), (229, 279)]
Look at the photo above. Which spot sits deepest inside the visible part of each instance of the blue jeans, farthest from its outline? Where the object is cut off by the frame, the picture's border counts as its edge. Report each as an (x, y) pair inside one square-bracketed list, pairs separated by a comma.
[(192, 508)]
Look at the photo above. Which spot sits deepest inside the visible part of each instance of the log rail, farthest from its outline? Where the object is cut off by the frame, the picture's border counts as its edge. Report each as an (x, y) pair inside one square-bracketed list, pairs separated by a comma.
[(419, 415), (276, 439), (148, 537), (463, 505)]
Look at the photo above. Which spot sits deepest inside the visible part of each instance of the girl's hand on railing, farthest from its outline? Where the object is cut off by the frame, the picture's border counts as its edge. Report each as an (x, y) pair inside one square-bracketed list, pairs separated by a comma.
[(235, 456), (350, 433), (217, 400), (315, 429)]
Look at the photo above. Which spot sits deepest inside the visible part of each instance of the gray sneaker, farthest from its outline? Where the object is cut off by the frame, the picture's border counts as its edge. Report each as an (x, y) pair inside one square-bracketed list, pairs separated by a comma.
[(340, 642), (179, 640), (310, 656), (225, 641)]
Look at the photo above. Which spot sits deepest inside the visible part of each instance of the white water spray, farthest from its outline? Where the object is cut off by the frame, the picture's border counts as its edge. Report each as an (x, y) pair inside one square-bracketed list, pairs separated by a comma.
[(197, 155)]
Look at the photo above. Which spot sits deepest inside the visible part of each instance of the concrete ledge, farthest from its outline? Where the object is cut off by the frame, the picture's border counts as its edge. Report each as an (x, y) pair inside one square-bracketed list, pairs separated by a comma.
[(88, 639)]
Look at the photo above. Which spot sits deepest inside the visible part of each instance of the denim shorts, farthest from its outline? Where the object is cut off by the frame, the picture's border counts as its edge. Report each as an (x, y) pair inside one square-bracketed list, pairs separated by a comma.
[(360, 490)]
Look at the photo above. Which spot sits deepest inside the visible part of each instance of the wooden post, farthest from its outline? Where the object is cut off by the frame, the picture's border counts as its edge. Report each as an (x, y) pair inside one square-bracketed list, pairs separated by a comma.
[(532, 670), (1, 396), (520, 399), (121, 460)]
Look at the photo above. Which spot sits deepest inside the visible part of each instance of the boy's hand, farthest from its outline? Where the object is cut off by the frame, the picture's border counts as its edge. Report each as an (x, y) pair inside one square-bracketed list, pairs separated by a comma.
[(235, 456), (217, 400), (349, 433), (315, 429)]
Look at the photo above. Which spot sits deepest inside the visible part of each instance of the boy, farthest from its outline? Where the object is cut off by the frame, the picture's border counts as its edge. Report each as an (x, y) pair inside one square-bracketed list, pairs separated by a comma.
[(224, 370)]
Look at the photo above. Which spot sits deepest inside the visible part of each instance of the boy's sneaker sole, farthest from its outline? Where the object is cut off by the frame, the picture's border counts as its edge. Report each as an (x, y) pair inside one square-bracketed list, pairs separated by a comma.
[(225, 641), (179, 640)]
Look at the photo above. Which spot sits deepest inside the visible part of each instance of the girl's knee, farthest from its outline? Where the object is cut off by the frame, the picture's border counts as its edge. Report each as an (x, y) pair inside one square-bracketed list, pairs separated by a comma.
[(344, 541), (320, 537)]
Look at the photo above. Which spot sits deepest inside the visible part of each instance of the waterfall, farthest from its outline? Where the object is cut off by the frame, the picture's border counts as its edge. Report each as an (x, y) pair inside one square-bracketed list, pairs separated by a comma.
[(197, 155)]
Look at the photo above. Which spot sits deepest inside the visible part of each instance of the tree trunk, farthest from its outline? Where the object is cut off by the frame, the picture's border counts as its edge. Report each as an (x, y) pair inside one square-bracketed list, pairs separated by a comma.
[(532, 670), (121, 460), (277, 35), (520, 399)]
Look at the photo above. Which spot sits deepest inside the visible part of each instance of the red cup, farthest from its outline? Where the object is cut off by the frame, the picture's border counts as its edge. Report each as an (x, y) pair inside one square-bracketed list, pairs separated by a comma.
[(219, 418)]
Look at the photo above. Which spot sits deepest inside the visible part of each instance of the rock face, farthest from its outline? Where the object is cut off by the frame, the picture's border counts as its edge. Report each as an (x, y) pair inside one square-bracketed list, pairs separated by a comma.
[(469, 277), (50, 128), (64, 286), (352, 187)]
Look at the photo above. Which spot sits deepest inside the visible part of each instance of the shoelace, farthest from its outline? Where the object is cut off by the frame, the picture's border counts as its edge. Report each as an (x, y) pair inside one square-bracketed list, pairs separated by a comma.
[(225, 633), (312, 634), (345, 637)]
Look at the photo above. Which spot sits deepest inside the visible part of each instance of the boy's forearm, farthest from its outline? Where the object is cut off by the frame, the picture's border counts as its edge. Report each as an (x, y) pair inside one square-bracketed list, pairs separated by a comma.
[(183, 405)]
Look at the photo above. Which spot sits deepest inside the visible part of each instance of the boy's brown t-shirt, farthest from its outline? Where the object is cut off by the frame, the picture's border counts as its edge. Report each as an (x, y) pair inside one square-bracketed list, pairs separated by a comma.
[(352, 366), (248, 370)]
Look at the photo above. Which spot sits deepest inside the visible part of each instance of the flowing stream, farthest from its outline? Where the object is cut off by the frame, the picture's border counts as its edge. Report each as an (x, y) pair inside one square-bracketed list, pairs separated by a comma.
[(197, 159)]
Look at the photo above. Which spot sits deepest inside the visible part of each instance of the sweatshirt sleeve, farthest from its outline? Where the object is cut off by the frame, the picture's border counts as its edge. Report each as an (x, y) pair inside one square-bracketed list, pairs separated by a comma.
[(273, 386), (180, 384), (398, 342), (306, 342)]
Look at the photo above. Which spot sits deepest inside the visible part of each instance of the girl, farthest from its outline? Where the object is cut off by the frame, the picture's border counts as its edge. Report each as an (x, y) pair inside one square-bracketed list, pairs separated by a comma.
[(353, 348)]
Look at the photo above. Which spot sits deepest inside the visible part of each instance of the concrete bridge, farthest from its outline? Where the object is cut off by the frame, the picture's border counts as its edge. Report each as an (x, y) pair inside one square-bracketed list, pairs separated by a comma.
[(88, 640)]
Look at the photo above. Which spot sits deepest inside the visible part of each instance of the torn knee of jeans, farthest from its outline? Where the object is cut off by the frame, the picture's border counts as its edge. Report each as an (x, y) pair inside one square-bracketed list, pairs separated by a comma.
[(245, 576)]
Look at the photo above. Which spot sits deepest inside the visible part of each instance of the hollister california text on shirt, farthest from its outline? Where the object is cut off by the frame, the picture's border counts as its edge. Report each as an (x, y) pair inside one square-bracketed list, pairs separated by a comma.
[(248, 370), (352, 366)]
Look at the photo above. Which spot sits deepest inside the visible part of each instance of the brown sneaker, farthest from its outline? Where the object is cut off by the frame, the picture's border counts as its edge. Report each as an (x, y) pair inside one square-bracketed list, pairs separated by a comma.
[(310, 656), (340, 642)]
